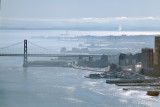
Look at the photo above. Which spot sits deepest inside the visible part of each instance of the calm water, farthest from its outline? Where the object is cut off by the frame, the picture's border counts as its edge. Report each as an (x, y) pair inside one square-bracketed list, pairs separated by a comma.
[(59, 87)]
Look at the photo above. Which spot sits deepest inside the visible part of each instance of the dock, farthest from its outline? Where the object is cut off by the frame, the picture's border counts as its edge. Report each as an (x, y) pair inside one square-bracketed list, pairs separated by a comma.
[(124, 81), (138, 84), (134, 84), (145, 89)]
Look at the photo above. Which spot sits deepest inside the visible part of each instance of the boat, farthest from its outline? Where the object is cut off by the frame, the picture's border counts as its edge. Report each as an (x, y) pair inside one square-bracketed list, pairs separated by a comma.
[(153, 93), (95, 76)]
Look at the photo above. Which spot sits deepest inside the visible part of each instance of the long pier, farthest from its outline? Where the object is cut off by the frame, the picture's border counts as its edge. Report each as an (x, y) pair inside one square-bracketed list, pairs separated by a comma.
[(127, 81)]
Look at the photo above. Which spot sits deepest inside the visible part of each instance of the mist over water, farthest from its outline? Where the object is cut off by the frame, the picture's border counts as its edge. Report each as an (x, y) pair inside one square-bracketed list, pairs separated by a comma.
[(49, 38), (57, 86), (22, 34)]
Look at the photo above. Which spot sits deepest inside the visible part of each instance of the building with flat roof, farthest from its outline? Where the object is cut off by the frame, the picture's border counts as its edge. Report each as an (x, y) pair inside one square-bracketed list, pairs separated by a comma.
[(157, 56), (157, 51), (147, 57), (122, 59)]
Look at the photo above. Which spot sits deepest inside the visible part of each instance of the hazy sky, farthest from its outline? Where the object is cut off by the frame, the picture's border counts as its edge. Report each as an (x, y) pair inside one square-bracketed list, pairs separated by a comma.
[(79, 8), (95, 10)]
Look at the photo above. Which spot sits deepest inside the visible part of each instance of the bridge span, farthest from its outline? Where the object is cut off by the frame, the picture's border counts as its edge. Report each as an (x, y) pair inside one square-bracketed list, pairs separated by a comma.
[(53, 55), (25, 53)]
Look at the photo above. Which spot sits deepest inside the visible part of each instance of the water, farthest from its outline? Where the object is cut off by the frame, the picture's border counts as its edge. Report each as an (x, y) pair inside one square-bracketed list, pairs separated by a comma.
[(59, 87)]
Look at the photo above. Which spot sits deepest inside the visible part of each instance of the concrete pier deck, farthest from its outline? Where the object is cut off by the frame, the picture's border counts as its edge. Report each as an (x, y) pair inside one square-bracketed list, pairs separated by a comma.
[(145, 89), (134, 84), (122, 81)]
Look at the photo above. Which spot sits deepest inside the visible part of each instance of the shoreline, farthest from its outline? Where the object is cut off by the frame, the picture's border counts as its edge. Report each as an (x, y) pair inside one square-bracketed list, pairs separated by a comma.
[(89, 69)]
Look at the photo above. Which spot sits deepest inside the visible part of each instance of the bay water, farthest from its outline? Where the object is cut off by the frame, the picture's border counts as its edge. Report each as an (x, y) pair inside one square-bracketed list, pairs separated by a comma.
[(58, 86)]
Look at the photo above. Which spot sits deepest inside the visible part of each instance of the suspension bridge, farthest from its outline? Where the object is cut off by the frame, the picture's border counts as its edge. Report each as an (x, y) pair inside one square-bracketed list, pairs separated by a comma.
[(17, 49)]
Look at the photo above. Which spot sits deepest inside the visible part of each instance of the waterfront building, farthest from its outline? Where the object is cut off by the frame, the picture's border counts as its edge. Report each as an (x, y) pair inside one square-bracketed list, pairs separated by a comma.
[(157, 51), (157, 56), (147, 57), (138, 57), (103, 62), (122, 59), (129, 58), (90, 59), (133, 64), (80, 57), (104, 58), (94, 63)]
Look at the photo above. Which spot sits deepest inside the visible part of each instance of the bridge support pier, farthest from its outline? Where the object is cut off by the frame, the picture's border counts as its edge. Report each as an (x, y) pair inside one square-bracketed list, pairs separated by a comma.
[(25, 60)]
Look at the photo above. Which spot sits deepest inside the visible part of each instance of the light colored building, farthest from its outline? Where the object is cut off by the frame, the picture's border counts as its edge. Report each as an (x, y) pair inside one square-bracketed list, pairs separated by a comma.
[(147, 57)]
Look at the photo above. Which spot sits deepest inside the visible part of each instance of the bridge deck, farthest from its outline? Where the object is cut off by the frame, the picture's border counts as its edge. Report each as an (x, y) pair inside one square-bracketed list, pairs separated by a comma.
[(53, 55)]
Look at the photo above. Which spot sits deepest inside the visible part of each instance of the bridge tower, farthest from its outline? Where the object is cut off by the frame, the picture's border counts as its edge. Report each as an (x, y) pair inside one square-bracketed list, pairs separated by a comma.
[(25, 54)]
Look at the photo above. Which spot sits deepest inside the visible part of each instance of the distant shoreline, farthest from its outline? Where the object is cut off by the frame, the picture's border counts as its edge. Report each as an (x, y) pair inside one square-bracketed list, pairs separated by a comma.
[(74, 32)]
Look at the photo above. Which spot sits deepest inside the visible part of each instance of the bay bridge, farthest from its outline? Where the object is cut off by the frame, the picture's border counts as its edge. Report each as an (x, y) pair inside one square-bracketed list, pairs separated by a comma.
[(18, 51)]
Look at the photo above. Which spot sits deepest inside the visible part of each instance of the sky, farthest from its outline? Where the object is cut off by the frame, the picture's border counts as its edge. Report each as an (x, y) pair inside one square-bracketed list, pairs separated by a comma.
[(81, 13)]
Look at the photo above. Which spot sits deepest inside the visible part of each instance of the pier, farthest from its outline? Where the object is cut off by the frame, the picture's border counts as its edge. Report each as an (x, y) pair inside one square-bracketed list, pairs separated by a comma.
[(144, 89), (122, 81)]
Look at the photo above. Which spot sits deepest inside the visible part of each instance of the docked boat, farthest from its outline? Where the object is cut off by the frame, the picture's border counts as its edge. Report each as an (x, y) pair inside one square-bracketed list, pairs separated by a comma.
[(153, 93), (94, 76)]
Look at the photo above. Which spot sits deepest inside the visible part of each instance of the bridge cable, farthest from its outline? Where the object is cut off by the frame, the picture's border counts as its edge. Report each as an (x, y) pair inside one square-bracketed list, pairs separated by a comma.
[(40, 46), (11, 45)]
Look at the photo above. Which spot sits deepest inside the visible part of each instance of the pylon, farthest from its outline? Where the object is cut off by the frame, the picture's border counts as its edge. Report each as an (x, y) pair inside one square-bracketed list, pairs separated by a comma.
[(25, 63)]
